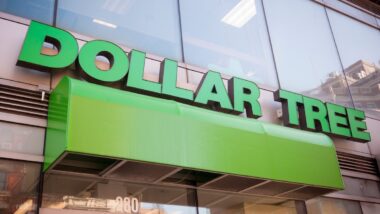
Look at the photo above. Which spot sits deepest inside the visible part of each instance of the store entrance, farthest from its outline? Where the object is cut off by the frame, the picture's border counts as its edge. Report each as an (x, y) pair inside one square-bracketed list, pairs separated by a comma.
[(96, 185), (69, 194)]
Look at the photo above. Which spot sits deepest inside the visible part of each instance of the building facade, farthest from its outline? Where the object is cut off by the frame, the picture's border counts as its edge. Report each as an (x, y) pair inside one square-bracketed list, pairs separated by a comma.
[(72, 144)]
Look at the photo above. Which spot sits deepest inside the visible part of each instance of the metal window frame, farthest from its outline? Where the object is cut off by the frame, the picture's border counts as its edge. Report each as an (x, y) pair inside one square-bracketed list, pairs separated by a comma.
[(336, 9)]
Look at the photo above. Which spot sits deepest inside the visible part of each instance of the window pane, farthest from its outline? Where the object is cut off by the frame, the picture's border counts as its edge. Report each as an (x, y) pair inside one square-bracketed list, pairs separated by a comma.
[(18, 186), (65, 192), (151, 26), (352, 11), (370, 208), (306, 57), (40, 10), (211, 202), (229, 37), (332, 206), (21, 138), (358, 46)]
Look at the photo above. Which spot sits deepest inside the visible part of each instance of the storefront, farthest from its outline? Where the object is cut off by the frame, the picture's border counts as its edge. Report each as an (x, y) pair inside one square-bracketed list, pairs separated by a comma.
[(136, 119)]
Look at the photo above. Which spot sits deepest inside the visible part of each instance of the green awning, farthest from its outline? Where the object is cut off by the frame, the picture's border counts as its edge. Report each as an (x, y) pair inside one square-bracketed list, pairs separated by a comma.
[(95, 120)]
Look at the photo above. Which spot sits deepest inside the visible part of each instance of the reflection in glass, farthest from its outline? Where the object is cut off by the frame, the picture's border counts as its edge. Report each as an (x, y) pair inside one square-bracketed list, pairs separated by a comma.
[(18, 186), (67, 192), (352, 11), (332, 206), (78, 193), (229, 37), (151, 26), (217, 203), (21, 138), (358, 46), (39, 10), (306, 57)]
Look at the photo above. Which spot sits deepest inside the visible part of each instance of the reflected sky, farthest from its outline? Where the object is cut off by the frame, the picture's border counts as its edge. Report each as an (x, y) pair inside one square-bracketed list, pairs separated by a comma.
[(356, 41), (359, 46), (226, 37), (353, 11), (39, 10), (306, 58), (151, 26)]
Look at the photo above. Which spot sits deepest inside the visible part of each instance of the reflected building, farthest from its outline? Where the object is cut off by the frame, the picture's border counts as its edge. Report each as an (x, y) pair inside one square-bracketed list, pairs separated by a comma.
[(362, 78), (364, 81)]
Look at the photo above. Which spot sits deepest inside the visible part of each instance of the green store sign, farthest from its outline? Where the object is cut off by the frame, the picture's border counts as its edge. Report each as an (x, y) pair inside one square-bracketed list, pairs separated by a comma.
[(241, 95)]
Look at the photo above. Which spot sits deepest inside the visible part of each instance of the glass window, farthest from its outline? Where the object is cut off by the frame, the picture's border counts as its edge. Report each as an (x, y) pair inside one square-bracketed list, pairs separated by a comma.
[(358, 45), (21, 138), (68, 192), (352, 11), (39, 10), (332, 206), (306, 58), (79, 193), (211, 202), (229, 37), (18, 186), (151, 26), (370, 208)]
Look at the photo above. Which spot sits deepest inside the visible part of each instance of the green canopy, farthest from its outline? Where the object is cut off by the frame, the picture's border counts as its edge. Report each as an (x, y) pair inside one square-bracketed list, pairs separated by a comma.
[(101, 121)]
